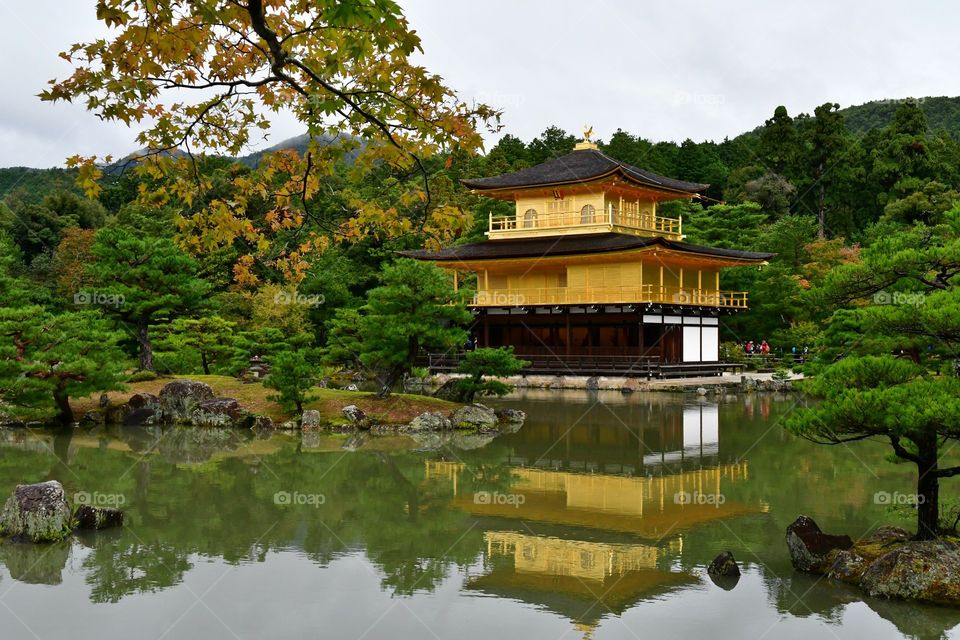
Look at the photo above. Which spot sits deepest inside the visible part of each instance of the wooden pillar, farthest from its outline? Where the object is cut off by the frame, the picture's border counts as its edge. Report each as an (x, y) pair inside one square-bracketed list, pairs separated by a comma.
[(486, 328), (699, 286), (661, 283), (456, 281), (567, 314), (641, 281)]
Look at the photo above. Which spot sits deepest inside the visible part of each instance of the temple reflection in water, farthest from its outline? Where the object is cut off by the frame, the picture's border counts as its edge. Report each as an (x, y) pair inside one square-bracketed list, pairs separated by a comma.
[(596, 522)]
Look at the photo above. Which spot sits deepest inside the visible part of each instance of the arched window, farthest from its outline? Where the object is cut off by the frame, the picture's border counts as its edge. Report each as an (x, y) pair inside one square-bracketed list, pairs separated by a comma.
[(588, 214), (530, 218)]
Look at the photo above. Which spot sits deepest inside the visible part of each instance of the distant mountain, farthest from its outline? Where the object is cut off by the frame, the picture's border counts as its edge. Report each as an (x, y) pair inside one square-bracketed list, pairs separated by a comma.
[(942, 113), (297, 143)]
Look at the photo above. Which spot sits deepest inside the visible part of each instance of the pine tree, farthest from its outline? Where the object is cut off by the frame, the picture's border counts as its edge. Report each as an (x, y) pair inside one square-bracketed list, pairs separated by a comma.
[(415, 308), (46, 359), (143, 280)]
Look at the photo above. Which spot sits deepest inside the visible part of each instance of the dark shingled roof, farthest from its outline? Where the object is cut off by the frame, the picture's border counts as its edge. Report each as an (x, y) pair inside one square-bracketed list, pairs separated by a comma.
[(572, 245), (577, 166)]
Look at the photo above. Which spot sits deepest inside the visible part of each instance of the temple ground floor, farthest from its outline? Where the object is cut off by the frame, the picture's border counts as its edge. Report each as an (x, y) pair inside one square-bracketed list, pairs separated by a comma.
[(630, 340)]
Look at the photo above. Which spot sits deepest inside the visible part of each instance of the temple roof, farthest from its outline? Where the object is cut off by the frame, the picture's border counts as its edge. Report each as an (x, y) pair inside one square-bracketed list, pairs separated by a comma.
[(574, 245), (582, 165)]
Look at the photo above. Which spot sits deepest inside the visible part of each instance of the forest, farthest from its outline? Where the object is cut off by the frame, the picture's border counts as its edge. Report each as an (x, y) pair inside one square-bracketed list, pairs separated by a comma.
[(132, 283)]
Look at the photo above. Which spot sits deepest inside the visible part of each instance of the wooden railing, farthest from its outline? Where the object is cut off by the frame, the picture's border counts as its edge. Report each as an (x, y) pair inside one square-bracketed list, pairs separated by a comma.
[(581, 364), (610, 295), (608, 218)]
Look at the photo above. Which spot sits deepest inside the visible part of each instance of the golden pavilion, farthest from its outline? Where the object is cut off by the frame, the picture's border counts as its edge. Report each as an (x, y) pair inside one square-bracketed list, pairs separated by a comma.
[(587, 277)]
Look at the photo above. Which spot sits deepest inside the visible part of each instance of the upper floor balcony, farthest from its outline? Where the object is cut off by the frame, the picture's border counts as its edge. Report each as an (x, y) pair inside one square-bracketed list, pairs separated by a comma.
[(519, 297), (531, 222)]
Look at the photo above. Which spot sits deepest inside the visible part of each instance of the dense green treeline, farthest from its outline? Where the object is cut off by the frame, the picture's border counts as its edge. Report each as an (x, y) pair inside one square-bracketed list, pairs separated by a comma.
[(174, 299)]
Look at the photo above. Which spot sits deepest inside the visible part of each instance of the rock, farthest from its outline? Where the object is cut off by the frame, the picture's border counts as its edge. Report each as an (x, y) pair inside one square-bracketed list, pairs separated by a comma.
[(593, 383), (474, 416), (310, 420), (928, 570), (104, 401), (886, 535), (94, 416), (848, 566), (428, 421), (809, 547), (179, 398), (351, 387), (511, 415), (558, 382), (511, 420), (36, 512), (262, 423), (96, 518), (354, 414), (724, 566), (701, 391), (289, 425), (217, 412)]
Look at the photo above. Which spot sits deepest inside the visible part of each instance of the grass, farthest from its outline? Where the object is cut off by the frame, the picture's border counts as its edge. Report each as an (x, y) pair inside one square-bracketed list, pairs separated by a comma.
[(398, 408)]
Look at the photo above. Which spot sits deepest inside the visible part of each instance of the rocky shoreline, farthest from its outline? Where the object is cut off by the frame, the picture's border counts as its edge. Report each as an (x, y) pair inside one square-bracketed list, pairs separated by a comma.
[(193, 403), (727, 383), (888, 563)]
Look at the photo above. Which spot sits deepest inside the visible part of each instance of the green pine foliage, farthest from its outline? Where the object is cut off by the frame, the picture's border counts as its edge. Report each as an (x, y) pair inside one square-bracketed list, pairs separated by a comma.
[(488, 362), (47, 359), (142, 280), (292, 375), (415, 308)]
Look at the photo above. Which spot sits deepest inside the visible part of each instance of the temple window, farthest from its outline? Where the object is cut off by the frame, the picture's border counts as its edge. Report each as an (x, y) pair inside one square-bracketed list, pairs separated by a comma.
[(588, 214), (530, 218)]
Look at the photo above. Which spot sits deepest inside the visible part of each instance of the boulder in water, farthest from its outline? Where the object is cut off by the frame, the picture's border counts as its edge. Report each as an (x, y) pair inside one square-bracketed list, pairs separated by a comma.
[(475, 416), (724, 566), (36, 513), (809, 546), (927, 570), (96, 518)]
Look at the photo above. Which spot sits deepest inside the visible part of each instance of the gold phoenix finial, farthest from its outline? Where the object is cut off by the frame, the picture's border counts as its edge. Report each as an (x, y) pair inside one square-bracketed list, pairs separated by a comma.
[(587, 133)]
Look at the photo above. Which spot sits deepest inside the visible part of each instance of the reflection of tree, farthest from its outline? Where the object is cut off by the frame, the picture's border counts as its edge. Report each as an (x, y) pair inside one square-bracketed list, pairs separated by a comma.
[(123, 567), (225, 507)]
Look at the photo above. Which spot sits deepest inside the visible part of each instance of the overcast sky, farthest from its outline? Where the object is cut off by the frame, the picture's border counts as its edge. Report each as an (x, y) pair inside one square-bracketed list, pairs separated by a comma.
[(663, 69)]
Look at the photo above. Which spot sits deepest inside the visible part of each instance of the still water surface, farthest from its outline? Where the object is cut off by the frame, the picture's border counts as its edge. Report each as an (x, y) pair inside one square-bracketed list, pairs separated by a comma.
[(596, 520)]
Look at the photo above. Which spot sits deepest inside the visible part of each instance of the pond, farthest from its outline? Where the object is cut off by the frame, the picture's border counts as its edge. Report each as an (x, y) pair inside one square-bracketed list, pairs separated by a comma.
[(596, 520)]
